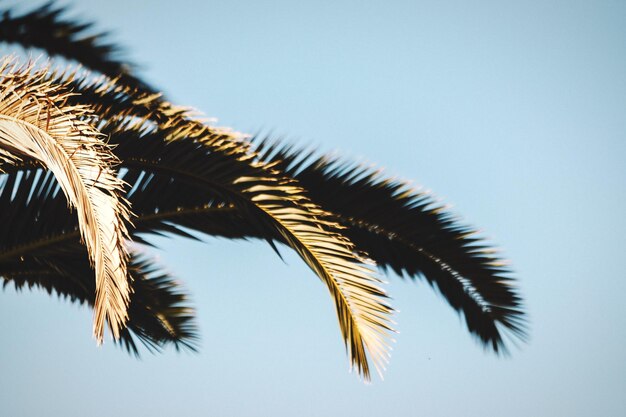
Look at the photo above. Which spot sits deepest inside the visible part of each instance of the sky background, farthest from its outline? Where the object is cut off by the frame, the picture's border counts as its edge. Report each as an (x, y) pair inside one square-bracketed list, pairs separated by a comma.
[(515, 114)]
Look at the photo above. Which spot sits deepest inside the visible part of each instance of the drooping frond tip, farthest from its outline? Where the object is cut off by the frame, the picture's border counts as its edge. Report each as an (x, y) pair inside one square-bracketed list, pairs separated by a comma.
[(37, 123), (408, 231), (211, 165), (363, 314)]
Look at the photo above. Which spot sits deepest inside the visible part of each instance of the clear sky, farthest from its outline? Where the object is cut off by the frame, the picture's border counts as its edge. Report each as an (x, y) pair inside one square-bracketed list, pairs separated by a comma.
[(512, 112)]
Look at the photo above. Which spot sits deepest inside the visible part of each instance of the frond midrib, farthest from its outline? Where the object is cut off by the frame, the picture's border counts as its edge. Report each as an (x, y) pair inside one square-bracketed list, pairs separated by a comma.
[(382, 231), (61, 237)]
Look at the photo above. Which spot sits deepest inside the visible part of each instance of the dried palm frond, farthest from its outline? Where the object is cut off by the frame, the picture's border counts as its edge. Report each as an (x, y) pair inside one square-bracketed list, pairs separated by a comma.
[(276, 208), (400, 228), (36, 122)]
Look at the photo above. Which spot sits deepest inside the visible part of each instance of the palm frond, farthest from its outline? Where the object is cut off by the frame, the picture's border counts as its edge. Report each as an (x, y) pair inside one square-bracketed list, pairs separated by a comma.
[(277, 209), (167, 141), (158, 313), (408, 231), (46, 28), (35, 122), (421, 244)]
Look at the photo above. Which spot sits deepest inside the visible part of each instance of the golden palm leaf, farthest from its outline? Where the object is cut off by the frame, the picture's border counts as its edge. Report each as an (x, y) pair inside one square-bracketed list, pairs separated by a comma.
[(36, 122), (276, 204)]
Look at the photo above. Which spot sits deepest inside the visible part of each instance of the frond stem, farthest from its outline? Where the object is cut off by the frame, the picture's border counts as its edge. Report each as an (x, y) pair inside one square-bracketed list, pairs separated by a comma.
[(42, 243), (469, 288)]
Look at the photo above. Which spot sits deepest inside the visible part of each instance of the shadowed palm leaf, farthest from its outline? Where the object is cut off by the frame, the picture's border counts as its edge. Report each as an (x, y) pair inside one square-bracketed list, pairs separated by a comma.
[(279, 209), (409, 232), (158, 310), (36, 122)]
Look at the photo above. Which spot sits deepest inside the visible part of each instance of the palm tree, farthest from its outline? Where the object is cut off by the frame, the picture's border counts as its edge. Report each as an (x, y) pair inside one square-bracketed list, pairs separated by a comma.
[(177, 174)]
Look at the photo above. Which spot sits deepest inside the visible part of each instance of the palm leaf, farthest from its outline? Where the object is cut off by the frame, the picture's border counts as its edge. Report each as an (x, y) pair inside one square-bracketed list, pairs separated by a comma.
[(408, 231), (277, 209), (407, 248), (35, 122)]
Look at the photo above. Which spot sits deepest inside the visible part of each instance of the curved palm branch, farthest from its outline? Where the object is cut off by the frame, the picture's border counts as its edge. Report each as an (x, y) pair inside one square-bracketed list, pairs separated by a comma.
[(35, 122), (276, 207), (169, 142), (408, 231), (398, 227)]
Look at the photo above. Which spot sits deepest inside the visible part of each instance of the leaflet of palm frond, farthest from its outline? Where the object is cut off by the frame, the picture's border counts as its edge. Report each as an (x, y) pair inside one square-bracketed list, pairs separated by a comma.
[(277, 209), (408, 231), (158, 313), (35, 122), (46, 28)]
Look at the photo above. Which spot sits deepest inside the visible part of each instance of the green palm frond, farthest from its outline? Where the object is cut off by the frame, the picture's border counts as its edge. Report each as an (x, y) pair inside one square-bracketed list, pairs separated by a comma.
[(408, 231), (37, 123), (46, 28)]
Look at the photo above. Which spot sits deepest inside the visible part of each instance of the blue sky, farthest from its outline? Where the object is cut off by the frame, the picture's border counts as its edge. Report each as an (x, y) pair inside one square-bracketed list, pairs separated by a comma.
[(514, 114)]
